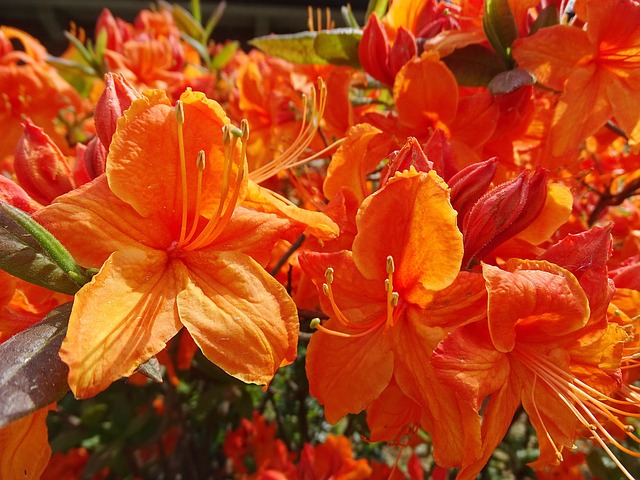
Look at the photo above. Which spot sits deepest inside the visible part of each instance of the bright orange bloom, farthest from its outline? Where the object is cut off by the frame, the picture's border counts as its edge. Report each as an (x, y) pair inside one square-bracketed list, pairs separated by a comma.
[(332, 459), (254, 443), (175, 250), (597, 69), (390, 302), (546, 345)]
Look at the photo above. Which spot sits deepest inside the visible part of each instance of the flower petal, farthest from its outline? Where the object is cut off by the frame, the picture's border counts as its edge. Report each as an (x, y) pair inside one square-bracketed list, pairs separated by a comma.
[(412, 220), (123, 317), (243, 320), (93, 223)]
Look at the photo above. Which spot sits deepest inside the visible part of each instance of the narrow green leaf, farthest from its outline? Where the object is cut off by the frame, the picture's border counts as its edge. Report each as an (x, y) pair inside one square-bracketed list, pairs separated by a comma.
[(296, 47), (548, 17), (379, 7), (197, 46), (23, 255), (195, 10), (339, 46), (348, 16), (32, 375), (500, 27), (214, 19), (86, 54), (474, 65), (187, 23), (224, 56)]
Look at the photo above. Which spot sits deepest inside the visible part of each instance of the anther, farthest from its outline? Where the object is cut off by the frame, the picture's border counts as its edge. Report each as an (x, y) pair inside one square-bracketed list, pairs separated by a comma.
[(325, 289), (244, 126), (179, 110), (328, 275), (387, 284), (200, 161), (390, 265), (315, 323), (226, 134), (559, 456), (395, 298)]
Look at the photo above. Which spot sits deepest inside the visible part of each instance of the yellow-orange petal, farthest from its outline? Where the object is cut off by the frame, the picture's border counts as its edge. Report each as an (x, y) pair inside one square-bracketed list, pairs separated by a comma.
[(242, 319), (536, 300), (555, 212), (412, 220), (351, 163), (443, 411), (425, 90), (93, 223), (144, 162), (24, 447), (347, 374), (123, 317)]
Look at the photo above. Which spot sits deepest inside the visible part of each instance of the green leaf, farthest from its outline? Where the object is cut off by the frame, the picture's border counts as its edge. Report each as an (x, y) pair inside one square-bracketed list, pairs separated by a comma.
[(379, 7), (474, 65), (339, 46), (224, 56), (187, 23), (197, 46), (32, 375), (30, 252), (348, 16), (296, 47), (548, 17), (500, 27), (214, 19)]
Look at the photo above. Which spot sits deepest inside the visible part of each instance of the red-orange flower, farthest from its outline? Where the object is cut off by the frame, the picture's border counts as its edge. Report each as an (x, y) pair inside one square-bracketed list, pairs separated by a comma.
[(596, 68), (175, 250), (390, 302)]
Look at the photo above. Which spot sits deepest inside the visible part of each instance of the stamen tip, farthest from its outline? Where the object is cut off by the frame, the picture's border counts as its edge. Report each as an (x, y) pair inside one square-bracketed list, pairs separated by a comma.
[(390, 265), (179, 110), (329, 275), (200, 161), (315, 323)]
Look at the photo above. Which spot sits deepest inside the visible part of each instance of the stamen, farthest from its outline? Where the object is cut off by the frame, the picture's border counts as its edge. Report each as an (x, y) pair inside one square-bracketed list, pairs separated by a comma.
[(219, 221), (179, 112), (578, 396), (544, 427), (200, 164), (307, 132)]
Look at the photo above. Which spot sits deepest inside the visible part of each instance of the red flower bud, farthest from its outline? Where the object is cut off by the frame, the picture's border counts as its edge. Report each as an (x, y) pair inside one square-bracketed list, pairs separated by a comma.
[(438, 150), (116, 30), (40, 167), (374, 51), (503, 213), (115, 99), (14, 195), (95, 158), (403, 50), (409, 155), (469, 184)]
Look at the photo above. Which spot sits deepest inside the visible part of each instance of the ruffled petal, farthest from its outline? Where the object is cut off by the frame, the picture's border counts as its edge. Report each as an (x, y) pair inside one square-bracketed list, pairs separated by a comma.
[(93, 223), (241, 318), (123, 317)]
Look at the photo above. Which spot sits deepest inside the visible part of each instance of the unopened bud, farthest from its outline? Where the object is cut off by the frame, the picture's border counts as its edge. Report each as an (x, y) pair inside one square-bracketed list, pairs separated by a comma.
[(40, 167), (410, 155), (503, 213), (374, 51), (117, 97), (469, 184)]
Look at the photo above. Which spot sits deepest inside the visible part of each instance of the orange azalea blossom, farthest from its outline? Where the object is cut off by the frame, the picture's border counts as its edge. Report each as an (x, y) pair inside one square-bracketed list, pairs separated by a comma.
[(390, 302), (30, 87), (597, 69), (547, 344), (175, 250)]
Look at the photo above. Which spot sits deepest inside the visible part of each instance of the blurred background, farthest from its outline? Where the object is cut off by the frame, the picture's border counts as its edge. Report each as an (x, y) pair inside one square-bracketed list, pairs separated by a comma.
[(242, 20)]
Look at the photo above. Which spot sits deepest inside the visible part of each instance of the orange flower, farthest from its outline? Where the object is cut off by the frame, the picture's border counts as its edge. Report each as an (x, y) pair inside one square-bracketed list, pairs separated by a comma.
[(547, 345), (597, 69), (390, 302), (175, 250), (332, 459)]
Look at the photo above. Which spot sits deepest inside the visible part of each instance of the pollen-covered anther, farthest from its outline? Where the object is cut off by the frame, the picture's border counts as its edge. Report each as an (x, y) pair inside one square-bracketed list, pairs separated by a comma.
[(395, 298), (201, 161), (390, 265), (179, 111), (328, 275)]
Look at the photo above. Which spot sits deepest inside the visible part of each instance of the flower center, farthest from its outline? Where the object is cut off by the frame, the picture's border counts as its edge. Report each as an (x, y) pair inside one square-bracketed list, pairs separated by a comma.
[(388, 320), (191, 237)]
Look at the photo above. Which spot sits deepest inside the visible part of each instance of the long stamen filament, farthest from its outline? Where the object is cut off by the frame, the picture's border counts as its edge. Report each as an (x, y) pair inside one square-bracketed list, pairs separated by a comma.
[(544, 427), (218, 222), (179, 112), (200, 164), (306, 134), (576, 395)]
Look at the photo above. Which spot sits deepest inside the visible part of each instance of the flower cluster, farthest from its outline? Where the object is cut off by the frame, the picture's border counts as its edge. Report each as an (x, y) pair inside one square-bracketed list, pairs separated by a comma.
[(441, 205)]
